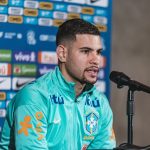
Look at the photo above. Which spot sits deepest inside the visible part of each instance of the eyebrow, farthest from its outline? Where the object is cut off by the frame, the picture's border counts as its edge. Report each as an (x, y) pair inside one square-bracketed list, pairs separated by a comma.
[(90, 49)]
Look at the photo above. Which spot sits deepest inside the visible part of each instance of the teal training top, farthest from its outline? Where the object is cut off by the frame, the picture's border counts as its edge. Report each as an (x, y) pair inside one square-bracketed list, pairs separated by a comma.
[(47, 115)]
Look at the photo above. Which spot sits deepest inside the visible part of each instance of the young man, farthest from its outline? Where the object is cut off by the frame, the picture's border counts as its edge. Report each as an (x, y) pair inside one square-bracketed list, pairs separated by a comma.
[(62, 110)]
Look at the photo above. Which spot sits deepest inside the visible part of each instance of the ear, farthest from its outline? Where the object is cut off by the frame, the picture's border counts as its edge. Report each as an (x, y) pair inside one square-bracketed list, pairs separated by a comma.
[(61, 53)]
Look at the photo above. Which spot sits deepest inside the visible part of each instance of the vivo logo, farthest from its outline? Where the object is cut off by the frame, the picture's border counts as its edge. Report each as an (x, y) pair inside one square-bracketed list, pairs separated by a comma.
[(24, 56)]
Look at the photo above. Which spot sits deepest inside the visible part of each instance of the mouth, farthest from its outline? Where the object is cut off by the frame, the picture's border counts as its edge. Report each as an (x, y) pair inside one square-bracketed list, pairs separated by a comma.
[(92, 71)]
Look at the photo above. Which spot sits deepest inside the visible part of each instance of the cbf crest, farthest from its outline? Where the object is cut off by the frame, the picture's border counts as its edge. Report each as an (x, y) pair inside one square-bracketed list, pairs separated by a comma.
[(91, 123)]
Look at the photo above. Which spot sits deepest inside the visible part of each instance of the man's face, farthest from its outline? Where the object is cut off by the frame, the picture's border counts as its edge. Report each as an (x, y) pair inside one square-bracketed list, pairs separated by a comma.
[(83, 59)]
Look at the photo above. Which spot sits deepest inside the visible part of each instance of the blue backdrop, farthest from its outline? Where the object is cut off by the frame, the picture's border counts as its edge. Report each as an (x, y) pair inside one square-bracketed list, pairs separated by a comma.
[(27, 40)]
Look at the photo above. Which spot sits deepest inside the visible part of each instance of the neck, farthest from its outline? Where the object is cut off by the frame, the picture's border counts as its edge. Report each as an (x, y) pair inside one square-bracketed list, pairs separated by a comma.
[(79, 88), (78, 85)]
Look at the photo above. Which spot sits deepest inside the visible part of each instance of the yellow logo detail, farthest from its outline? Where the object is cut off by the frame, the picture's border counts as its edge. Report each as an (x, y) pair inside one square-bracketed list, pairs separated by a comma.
[(15, 19), (88, 137), (88, 10), (3, 2), (40, 137), (38, 129), (101, 28), (46, 5), (73, 15), (39, 115), (25, 125), (57, 22), (2, 95), (31, 12)]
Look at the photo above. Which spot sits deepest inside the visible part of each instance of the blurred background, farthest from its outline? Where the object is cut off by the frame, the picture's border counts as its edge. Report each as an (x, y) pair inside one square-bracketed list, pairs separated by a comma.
[(131, 55)]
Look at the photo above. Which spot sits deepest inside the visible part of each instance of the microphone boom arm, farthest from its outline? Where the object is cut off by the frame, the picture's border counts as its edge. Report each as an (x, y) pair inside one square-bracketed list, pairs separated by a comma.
[(123, 80)]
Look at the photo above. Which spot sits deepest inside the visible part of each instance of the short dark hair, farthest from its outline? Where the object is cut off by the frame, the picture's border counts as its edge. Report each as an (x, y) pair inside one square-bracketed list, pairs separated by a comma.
[(68, 30)]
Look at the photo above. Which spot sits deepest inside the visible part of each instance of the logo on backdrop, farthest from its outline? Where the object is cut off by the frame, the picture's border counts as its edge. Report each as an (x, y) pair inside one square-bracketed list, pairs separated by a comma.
[(101, 86), (5, 69), (18, 83), (2, 113), (31, 37), (24, 56), (46, 57), (1, 34), (5, 83), (2, 96), (75, 1), (29, 70), (102, 3), (42, 69)]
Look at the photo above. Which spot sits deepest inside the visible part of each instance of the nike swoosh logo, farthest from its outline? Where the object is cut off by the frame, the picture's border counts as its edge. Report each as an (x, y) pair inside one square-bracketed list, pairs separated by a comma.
[(56, 121), (2, 81), (93, 1), (18, 85)]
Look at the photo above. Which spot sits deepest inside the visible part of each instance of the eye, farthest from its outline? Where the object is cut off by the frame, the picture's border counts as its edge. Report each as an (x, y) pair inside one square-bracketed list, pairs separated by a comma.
[(99, 52), (86, 51)]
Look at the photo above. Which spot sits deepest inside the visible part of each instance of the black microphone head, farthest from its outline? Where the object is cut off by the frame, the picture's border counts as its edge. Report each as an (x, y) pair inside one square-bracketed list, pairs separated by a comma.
[(119, 78)]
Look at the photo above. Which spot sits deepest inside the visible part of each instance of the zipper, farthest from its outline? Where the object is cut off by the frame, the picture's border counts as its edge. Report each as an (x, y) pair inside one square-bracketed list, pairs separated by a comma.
[(75, 122)]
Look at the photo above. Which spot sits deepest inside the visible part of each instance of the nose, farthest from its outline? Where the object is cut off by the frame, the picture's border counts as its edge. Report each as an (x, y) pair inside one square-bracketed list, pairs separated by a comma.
[(95, 58)]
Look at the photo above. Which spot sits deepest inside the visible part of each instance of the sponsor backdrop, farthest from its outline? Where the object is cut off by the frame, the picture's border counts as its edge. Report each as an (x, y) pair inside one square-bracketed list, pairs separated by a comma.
[(27, 40)]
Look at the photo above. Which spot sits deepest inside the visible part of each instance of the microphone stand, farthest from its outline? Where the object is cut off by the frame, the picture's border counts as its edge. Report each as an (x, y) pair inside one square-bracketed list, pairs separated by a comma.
[(130, 113), (121, 79)]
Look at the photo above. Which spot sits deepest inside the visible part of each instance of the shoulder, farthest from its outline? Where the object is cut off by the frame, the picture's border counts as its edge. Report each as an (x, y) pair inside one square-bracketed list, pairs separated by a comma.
[(27, 95), (101, 96), (34, 93)]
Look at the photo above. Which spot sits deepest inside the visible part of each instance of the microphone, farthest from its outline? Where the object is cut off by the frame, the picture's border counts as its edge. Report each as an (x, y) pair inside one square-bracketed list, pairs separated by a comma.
[(123, 80), (119, 78)]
